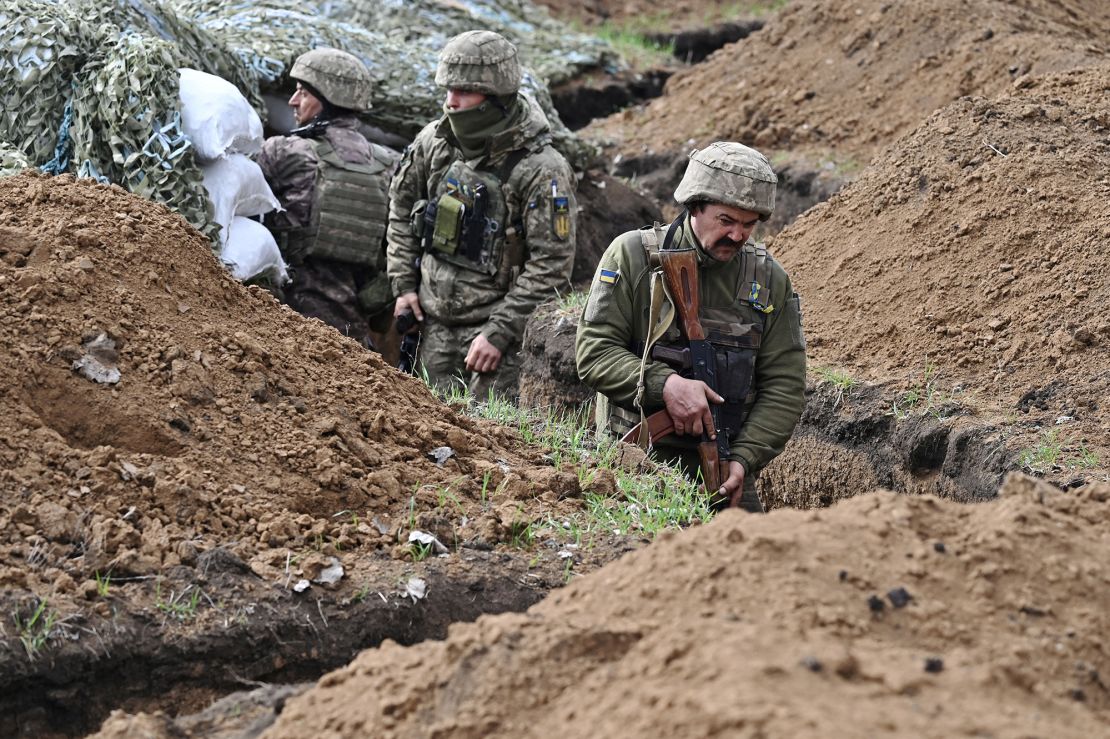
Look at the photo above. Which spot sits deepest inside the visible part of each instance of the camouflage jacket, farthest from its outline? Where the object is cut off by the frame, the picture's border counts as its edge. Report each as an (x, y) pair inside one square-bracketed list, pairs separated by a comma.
[(458, 296), (614, 327), (290, 165)]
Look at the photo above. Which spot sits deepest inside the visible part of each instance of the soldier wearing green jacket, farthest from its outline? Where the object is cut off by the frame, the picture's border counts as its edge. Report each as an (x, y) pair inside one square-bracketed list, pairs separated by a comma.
[(333, 185), (749, 310), (481, 219)]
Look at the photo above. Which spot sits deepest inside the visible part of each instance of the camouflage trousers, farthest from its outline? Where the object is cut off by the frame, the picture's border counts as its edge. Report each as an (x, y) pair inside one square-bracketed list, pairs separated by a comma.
[(327, 289), (442, 356)]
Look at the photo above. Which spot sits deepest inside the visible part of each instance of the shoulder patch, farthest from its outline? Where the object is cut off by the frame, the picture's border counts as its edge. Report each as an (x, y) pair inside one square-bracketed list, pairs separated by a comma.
[(609, 276)]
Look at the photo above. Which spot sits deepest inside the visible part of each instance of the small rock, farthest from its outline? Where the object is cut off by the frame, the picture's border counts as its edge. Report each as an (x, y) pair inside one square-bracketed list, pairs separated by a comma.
[(899, 597), (843, 575), (441, 454), (85, 264), (812, 664), (416, 588), (301, 585), (875, 603), (938, 547), (934, 664)]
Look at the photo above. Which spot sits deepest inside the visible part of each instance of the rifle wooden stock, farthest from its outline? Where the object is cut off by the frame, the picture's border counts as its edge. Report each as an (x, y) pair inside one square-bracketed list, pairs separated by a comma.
[(660, 424), (680, 271)]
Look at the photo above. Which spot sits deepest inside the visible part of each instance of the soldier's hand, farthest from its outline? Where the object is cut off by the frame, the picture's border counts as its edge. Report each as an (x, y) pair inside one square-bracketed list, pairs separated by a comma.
[(733, 487), (408, 302), (687, 401), (482, 356)]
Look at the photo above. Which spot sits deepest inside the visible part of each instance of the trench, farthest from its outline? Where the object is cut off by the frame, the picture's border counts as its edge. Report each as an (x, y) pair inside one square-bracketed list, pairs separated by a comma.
[(139, 662)]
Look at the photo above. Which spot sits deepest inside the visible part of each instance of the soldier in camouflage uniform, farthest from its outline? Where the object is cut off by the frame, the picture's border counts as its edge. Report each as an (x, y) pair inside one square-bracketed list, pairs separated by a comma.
[(749, 310), (333, 184), (481, 219)]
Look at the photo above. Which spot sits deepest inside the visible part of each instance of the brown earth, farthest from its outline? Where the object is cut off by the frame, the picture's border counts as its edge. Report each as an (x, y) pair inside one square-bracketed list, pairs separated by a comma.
[(635, 14), (971, 257), (242, 449), (842, 80), (924, 622)]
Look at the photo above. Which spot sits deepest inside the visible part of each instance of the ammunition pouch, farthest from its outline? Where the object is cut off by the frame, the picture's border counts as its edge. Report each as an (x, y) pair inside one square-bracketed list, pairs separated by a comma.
[(376, 295)]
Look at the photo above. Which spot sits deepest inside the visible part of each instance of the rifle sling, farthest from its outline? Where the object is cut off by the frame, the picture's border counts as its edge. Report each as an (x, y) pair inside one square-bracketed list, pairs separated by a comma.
[(657, 326)]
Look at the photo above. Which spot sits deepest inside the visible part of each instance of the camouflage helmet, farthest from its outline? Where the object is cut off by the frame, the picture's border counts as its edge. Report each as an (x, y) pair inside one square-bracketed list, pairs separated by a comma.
[(731, 174), (479, 61), (341, 78)]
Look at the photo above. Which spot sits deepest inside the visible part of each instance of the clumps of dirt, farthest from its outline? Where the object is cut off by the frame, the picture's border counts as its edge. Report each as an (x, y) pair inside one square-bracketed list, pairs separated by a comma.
[(983, 256), (850, 77), (932, 619), (155, 409)]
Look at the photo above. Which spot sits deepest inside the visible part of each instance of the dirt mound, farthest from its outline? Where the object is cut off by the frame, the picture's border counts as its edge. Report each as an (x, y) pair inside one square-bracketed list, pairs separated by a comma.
[(850, 77), (234, 422), (982, 255), (926, 621)]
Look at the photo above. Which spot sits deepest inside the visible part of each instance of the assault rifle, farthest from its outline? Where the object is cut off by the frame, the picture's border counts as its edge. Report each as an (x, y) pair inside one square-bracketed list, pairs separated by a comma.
[(410, 340), (680, 272)]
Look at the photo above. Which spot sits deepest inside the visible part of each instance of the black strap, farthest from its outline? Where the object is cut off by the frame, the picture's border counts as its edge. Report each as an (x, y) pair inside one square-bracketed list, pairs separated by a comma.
[(669, 238)]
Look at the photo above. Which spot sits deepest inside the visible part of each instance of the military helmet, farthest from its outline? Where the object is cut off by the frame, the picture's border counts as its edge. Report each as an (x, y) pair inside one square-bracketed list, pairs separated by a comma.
[(341, 78), (731, 174), (479, 61)]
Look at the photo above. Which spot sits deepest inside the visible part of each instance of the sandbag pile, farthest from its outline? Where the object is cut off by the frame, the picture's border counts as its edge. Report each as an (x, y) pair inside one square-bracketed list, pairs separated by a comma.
[(225, 132)]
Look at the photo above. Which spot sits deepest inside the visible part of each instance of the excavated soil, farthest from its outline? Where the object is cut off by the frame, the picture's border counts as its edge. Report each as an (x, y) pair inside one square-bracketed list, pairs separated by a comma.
[(680, 14), (970, 257), (845, 79), (932, 619), (241, 450)]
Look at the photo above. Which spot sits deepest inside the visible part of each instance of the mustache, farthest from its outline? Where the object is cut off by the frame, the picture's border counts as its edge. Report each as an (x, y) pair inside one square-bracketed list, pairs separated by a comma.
[(726, 241)]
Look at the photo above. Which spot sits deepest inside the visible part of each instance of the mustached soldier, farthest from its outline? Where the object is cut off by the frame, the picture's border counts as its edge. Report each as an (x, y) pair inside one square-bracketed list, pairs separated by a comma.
[(630, 350), (481, 219), (334, 187)]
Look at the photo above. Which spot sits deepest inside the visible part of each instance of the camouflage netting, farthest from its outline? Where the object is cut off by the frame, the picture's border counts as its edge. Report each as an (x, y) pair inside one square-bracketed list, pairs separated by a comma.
[(545, 45), (90, 86), (12, 160), (270, 34)]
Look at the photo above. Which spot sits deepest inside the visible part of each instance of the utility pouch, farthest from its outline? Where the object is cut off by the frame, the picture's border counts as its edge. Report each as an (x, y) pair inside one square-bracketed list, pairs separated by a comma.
[(512, 259), (416, 219), (446, 217)]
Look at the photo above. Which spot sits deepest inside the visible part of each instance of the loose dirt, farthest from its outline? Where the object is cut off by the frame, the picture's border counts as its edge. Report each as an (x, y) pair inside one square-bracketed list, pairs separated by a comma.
[(842, 80), (981, 266), (925, 621), (241, 450)]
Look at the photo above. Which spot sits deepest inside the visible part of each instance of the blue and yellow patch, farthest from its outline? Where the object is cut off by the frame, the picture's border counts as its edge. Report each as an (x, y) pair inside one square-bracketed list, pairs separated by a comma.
[(609, 276)]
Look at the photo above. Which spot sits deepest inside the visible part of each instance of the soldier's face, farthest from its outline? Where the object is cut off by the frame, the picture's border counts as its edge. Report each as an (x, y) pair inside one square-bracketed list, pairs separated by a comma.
[(723, 229), (463, 99), (305, 105)]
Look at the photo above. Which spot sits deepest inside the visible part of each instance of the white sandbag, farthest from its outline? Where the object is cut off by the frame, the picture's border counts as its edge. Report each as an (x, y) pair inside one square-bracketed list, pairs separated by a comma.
[(216, 117), (236, 187), (252, 252)]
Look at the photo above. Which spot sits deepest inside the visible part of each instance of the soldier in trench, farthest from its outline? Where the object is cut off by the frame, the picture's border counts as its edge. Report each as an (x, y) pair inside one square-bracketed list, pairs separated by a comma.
[(334, 186), (748, 309), (481, 219)]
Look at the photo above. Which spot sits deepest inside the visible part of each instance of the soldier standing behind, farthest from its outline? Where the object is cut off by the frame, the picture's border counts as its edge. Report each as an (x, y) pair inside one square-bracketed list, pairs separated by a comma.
[(333, 184), (481, 219), (748, 310)]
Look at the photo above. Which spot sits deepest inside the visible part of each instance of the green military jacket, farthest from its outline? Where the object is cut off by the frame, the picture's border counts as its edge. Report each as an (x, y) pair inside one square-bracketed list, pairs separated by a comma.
[(614, 327), (541, 177)]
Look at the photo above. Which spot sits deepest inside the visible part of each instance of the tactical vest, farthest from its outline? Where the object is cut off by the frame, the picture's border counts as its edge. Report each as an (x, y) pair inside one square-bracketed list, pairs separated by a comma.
[(735, 332), (350, 211), (471, 221)]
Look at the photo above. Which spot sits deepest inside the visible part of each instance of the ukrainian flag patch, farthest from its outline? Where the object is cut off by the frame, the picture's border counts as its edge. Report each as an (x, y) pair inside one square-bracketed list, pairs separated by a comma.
[(609, 276)]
